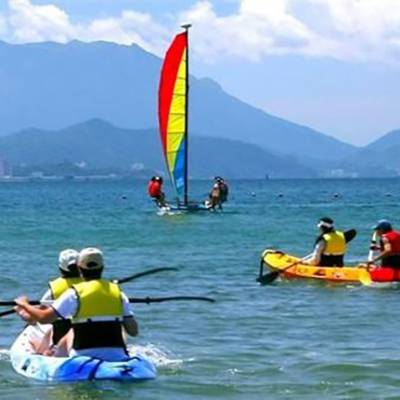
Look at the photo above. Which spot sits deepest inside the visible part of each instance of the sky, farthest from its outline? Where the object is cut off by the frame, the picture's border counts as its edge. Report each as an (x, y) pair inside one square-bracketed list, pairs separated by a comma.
[(333, 65)]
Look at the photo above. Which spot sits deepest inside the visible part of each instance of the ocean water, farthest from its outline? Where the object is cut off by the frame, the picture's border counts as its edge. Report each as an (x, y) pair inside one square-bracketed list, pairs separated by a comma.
[(289, 340)]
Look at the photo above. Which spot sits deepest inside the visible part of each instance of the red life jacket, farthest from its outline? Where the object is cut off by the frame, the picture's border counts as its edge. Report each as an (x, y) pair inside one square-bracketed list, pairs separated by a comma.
[(393, 238), (154, 189)]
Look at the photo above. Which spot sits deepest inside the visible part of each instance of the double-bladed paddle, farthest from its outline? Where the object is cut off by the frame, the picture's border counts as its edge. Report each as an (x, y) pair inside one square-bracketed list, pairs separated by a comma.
[(144, 273), (145, 300), (273, 275), (119, 281)]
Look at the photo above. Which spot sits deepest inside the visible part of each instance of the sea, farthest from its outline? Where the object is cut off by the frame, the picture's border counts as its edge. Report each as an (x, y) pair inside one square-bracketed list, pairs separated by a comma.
[(289, 340)]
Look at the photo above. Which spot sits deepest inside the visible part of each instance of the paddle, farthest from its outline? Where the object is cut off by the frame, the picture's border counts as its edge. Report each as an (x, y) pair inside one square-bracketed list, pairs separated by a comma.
[(271, 276), (119, 281), (144, 273), (146, 300), (350, 235), (373, 246), (365, 276)]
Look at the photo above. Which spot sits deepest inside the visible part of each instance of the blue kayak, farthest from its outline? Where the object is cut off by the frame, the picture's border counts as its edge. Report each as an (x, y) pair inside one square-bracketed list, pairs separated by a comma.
[(79, 368)]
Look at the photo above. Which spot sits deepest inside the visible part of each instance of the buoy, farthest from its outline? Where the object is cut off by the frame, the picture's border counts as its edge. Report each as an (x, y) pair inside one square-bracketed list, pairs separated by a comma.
[(253, 194), (280, 194), (388, 194), (336, 195), (123, 197)]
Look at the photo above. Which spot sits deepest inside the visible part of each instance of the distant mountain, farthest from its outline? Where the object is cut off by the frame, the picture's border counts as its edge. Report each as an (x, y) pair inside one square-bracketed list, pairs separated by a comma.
[(388, 140), (98, 145), (50, 86), (216, 112), (382, 153)]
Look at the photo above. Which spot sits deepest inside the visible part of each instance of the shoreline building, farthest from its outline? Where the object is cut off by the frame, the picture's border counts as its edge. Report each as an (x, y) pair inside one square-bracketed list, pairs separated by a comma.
[(5, 168)]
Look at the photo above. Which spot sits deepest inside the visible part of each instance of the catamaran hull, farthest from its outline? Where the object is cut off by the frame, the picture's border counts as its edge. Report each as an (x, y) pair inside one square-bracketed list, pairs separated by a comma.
[(67, 369)]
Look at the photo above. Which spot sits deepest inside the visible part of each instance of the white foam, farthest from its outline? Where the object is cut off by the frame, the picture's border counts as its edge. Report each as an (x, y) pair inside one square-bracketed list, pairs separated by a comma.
[(160, 357), (4, 354)]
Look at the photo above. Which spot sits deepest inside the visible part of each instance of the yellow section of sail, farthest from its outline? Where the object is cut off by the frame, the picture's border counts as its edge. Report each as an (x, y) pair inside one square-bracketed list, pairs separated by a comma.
[(177, 116)]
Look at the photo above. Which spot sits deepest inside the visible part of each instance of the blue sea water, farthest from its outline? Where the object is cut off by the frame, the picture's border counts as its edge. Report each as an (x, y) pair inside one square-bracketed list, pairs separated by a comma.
[(289, 340)]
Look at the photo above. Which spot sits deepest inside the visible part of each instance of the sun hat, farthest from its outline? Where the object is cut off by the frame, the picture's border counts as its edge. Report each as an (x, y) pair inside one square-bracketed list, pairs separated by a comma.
[(67, 258), (91, 258)]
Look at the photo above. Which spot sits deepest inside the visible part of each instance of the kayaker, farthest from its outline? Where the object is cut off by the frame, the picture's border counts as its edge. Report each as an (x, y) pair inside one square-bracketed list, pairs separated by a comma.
[(154, 190), (68, 267), (98, 310), (330, 245), (389, 255)]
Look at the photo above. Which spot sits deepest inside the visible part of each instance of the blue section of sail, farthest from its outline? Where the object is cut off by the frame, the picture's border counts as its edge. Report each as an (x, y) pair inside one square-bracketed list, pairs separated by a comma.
[(179, 171)]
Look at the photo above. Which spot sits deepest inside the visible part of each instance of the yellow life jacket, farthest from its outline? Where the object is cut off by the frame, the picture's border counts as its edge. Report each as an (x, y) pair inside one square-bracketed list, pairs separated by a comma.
[(60, 285), (98, 299), (335, 243), (97, 322)]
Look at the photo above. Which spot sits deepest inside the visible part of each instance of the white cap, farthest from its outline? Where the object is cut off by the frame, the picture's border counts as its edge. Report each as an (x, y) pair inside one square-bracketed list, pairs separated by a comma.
[(67, 258), (91, 258)]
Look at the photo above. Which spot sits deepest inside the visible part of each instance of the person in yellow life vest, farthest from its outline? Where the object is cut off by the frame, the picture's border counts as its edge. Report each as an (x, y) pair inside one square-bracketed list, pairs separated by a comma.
[(330, 245), (98, 310), (68, 267)]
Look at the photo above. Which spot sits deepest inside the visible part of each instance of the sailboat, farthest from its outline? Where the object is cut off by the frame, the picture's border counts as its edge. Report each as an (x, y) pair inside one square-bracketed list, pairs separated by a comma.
[(173, 102)]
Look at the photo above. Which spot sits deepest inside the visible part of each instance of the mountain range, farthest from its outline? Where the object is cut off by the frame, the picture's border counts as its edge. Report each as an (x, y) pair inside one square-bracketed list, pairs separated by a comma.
[(99, 146), (51, 86)]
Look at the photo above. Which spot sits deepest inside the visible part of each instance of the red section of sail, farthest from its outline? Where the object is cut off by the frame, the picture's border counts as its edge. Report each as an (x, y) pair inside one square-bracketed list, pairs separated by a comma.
[(169, 72)]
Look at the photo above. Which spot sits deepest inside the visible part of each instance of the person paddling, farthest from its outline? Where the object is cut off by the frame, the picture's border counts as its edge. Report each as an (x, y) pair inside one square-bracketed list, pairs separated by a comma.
[(98, 310), (330, 245), (154, 190), (68, 267), (389, 255)]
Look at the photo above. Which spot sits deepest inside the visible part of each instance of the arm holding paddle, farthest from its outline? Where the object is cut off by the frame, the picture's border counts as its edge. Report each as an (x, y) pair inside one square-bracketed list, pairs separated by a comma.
[(387, 249), (316, 255), (33, 314)]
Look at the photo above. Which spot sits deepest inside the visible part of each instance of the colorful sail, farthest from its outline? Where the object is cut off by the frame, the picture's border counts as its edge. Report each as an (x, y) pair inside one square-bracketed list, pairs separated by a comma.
[(172, 112)]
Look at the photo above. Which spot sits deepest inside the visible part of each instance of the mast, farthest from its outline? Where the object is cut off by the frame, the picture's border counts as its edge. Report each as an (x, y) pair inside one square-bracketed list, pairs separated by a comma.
[(186, 170)]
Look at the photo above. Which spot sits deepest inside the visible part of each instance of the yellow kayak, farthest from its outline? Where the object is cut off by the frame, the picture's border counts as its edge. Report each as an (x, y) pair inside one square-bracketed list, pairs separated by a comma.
[(277, 260)]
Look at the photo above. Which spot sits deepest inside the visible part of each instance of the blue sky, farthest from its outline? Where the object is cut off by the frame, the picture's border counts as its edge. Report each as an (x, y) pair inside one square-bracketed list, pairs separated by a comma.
[(329, 64)]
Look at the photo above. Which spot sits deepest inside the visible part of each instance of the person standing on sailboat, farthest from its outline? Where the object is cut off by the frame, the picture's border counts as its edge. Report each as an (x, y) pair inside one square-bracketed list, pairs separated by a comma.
[(154, 190), (218, 194), (223, 188)]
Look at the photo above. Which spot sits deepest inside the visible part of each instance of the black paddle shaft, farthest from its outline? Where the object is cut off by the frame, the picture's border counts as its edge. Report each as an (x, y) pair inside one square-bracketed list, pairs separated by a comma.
[(146, 300)]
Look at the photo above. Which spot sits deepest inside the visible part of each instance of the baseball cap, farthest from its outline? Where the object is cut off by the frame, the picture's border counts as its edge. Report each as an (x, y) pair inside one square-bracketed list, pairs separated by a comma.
[(384, 225), (91, 258), (67, 258)]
